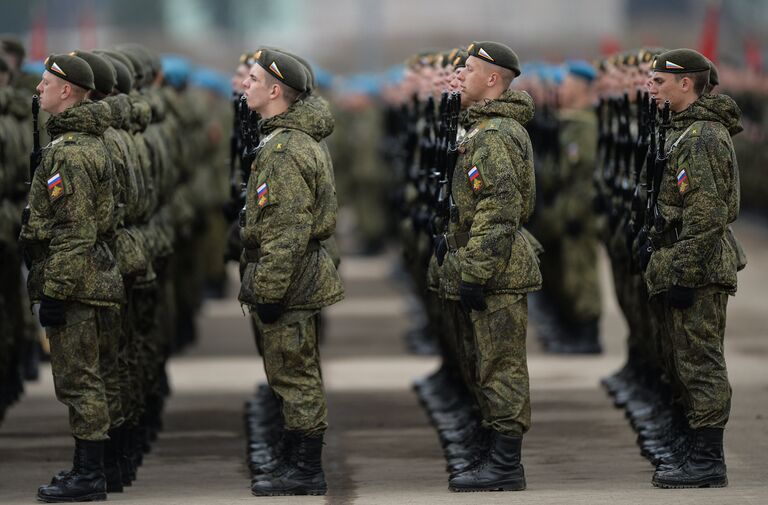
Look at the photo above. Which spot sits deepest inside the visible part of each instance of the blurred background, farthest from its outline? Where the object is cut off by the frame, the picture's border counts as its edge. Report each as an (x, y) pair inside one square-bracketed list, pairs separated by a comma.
[(368, 35)]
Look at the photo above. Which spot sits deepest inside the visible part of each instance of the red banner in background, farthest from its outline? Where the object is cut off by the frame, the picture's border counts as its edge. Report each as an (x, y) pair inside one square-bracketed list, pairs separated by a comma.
[(710, 32), (38, 38)]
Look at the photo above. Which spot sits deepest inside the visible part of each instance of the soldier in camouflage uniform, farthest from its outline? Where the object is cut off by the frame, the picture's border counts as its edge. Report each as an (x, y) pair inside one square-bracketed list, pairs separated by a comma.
[(73, 274), (577, 289), (694, 258), (287, 273), (491, 264)]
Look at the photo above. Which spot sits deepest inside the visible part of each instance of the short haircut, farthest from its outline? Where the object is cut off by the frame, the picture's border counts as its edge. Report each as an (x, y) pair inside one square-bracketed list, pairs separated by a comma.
[(507, 76), (700, 81), (290, 94)]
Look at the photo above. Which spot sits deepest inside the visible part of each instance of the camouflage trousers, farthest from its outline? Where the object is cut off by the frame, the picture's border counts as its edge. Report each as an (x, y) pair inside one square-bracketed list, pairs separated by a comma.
[(85, 369), (493, 356), (579, 285), (692, 340), (292, 364)]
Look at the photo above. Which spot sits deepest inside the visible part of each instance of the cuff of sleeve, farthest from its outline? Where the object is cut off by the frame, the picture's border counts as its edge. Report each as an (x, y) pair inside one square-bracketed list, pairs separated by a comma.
[(52, 293), (467, 277)]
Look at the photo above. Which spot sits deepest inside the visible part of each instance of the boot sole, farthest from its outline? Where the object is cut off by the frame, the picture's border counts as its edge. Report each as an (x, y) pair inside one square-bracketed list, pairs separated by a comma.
[(714, 482), (503, 487), (308, 492), (90, 497)]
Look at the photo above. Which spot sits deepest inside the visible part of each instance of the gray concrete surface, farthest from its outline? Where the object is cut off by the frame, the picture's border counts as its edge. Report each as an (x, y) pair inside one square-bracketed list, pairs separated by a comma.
[(380, 448)]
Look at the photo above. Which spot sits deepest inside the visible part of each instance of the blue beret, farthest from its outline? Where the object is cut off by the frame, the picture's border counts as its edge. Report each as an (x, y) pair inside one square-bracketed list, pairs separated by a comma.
[(581, 68)]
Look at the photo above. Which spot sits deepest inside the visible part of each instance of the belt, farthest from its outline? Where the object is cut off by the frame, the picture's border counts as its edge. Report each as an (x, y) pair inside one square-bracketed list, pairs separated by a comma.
[(252, 255), (457, 240)]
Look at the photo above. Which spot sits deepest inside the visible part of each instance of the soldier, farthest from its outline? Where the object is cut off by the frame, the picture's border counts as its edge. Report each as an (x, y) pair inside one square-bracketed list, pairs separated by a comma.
[(288, 275), (694, 258), (73, 274), (491, 265), (577, 284)]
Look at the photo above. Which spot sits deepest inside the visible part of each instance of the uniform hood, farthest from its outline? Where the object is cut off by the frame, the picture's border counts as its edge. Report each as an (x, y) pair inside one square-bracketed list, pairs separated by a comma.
[(718, 108), (514, 104), (312, 115), (120, 106), (86, 117), (141, 114)]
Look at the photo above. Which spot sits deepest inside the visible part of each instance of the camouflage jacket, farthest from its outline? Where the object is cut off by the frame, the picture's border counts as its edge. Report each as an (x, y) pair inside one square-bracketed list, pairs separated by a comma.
[(290, 208), (72, 211), (578, 145), (494, 189), (698, 198)]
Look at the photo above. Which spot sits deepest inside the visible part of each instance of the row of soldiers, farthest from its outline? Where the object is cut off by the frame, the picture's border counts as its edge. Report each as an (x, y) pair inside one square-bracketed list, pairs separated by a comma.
[(121, 204), (18, 331), (650, 172), (668, 188), (283, 213), (466, 187)]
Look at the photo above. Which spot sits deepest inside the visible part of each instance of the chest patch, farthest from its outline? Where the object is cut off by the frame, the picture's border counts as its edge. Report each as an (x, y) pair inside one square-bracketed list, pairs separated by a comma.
[(475, 180), (55, 186), (262, 195), (683, 184)]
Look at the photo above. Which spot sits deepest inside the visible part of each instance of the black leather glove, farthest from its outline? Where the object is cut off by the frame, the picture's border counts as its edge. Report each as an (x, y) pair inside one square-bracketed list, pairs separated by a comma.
[(644, 254), (472, 297), (574, 227), (680, 297), (52, 312), (269, 312), (441, 249)]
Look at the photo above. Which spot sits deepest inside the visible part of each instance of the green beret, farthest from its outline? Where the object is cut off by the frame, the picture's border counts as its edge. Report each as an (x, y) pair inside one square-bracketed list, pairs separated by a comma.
[(117, 55), (307, 67), (680, 61), (136, 65), (496, 53), (124, 75), (284, 68), (460, 60), (714, 76), (12, 45), (104, 74), (71, 68)]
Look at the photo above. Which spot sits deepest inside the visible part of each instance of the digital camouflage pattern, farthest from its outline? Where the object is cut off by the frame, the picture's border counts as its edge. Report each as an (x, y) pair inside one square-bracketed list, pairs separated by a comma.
[(290, 208), (693, 343), (699, 197), (578, 286), (292, 365), (494, 190), (78, 369), (72, 212), (494, 359), (695, 248)]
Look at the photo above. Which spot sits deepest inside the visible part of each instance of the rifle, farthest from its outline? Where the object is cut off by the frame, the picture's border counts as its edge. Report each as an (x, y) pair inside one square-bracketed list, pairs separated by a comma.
[(234, 148), (36, 154), (656, 164)]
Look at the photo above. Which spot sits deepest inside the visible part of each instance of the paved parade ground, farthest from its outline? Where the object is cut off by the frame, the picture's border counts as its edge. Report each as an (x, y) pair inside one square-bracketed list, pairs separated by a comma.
[(380, 448)]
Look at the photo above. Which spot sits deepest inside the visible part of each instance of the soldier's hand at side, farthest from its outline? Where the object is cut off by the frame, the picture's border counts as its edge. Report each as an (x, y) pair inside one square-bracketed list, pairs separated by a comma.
[(680, 297), (472, 296), (441, 249), (52, 312), (269, 312)]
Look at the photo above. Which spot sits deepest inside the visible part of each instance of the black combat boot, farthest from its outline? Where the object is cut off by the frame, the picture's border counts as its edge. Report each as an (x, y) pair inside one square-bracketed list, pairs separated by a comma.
[(703, 467), (499, 470), (112, 456), (85, 482), (302, 474)]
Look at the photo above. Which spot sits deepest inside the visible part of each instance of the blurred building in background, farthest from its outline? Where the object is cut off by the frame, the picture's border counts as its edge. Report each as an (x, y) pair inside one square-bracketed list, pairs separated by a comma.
[(365, 35)]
